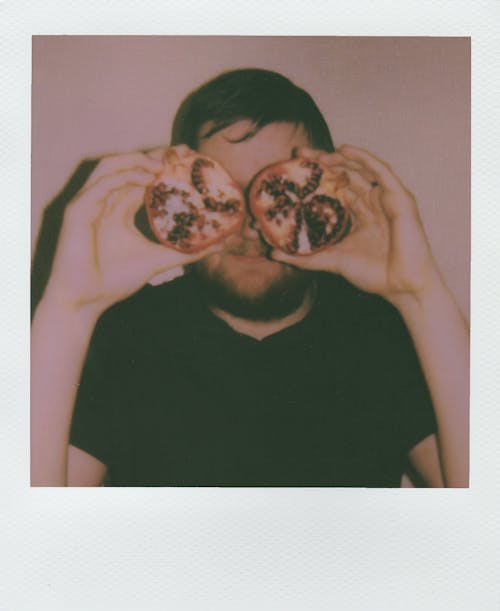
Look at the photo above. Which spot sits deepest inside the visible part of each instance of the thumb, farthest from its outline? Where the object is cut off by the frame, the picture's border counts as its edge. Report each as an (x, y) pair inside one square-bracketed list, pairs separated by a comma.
[(167, 258), (281, 256)]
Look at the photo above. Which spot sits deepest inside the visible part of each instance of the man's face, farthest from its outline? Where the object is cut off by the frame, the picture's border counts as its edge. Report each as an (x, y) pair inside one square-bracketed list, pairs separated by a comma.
[(241, 279)]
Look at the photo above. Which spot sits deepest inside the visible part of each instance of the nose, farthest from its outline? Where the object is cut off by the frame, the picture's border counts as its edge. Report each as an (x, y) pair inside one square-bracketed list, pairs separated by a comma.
[(248, 229)]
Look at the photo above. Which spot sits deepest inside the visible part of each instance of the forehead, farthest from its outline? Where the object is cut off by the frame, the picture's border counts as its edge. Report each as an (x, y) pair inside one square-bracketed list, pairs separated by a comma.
[(243, 160)]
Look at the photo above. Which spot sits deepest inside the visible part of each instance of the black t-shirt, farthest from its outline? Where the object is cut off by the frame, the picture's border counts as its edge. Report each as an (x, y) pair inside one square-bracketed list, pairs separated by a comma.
[(172, 396)]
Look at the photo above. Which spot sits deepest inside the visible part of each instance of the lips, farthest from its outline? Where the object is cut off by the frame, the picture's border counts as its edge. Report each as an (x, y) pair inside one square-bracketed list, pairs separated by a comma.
[(247, 253), (250, 258)]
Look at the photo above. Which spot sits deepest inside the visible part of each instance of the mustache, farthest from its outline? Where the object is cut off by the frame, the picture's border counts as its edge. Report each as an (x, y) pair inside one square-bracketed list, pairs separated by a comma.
[(248, 248)]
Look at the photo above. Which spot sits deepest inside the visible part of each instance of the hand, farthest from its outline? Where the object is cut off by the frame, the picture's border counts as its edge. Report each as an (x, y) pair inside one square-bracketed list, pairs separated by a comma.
[(102, 257), (386, 251)]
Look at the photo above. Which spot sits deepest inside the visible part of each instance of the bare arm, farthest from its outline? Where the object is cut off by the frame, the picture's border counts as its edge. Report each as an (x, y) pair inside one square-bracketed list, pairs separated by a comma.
[(441, 338), (425, 462), (387, 253), (60, 338), (101, 259)]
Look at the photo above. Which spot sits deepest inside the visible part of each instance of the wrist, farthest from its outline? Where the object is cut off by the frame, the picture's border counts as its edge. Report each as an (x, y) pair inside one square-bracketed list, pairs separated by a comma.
[(422, 299), (55, 304)]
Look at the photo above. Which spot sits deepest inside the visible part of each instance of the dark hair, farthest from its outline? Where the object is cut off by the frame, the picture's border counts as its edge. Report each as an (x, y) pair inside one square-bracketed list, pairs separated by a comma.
[(259, 95)]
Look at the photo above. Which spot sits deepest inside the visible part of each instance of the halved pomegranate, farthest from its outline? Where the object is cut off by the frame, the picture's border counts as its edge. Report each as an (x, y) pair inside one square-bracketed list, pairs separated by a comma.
[(299, 205), (193, 203)]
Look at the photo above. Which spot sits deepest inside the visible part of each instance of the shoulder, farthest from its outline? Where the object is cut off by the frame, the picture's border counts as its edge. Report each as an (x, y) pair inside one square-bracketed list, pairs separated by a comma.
[(363, 321), (150, 299), (151, 311), (338, 296)]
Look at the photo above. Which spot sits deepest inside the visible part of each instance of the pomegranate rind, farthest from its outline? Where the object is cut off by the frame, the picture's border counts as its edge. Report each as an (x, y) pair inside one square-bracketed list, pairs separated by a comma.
[(177, 211), (275, 206)]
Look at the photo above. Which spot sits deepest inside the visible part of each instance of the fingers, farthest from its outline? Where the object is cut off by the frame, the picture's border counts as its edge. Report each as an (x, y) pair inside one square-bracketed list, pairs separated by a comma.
[(156, 153), (87, 205), (182, 150), (124, 203), (357, 181), (160, 258), (120, 163), (359, 196), (381, 171), (159, 154), (337, 158), (368, 165), (185, 259), (393, 196), (152, 162)]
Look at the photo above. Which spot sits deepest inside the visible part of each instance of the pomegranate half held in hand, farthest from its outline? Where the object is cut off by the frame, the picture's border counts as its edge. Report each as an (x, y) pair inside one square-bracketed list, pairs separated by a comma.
[(299, 205), (193, 203)]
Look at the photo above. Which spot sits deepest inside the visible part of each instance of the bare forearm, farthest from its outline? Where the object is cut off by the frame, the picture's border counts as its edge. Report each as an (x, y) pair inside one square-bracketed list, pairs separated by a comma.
[(441, 337), (59, 343)]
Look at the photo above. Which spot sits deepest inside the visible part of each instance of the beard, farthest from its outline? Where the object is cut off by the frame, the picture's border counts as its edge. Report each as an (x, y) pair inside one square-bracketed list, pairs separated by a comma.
[(269, 291)]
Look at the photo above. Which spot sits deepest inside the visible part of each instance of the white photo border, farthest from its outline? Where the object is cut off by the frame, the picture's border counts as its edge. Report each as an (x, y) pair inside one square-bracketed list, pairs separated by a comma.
[(250, 548)]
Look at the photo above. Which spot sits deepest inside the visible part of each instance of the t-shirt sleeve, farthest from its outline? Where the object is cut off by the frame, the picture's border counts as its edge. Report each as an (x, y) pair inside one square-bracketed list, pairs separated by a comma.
[(418, 417), (412, 400), (92, 416)]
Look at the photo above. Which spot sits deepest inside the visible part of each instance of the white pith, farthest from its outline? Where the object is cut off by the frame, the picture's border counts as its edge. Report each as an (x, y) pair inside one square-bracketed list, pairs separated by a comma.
[(218, 185), (280, 228)]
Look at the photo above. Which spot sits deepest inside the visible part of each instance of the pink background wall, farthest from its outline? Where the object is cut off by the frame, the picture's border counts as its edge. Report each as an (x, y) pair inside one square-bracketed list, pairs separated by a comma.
[(406, 99)]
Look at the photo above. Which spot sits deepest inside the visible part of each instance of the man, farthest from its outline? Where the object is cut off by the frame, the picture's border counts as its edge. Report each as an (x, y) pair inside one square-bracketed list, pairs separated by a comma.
[(257, 368)]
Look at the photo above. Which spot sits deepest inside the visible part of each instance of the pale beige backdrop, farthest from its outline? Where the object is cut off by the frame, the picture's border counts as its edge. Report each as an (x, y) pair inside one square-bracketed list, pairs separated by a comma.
[(407, 99)]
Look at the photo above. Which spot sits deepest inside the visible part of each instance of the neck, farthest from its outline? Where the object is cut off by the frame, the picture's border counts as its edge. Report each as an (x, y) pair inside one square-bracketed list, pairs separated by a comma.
[(261, 329)]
